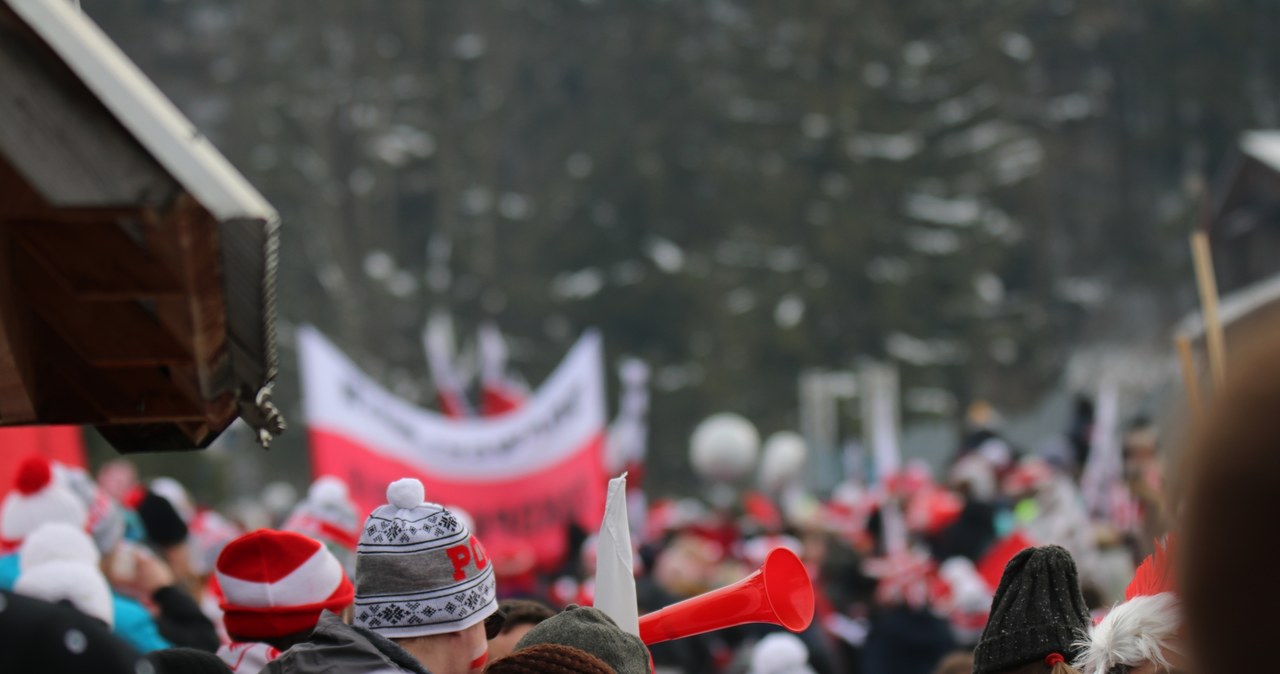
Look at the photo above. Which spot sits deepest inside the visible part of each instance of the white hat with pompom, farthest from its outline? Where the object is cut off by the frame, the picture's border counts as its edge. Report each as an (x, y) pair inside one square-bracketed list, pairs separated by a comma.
[(420, 571)]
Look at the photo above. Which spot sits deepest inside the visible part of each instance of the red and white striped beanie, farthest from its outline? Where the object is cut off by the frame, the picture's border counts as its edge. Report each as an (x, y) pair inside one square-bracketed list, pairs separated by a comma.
[(37, 499), (276, 583)]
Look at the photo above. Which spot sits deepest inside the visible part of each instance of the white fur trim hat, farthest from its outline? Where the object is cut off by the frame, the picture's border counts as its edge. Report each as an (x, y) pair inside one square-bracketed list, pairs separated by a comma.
[(37, 499), (1132, 634)]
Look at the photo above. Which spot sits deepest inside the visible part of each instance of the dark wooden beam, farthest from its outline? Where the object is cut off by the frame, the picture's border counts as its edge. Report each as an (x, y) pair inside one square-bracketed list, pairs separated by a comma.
[(186, 239), (96, 262), (17, 399), (104, 334), (72, 391)]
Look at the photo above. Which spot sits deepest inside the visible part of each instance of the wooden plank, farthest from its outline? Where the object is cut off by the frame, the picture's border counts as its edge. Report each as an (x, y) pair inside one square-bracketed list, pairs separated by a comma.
[(71, 391), (96, 262), (62, 139), (186, 238), (104, 334), (17, 400)]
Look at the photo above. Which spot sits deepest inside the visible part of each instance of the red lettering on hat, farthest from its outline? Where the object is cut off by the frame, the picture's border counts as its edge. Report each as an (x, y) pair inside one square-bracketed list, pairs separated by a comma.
[(477, 552), (460, 555)]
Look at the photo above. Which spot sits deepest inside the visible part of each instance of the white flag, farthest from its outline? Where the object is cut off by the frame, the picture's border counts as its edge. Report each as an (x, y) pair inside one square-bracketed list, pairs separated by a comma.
[(615, 581)]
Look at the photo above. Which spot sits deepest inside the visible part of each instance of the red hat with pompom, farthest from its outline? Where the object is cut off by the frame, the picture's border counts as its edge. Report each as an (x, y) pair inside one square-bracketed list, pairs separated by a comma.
[(37, 499)]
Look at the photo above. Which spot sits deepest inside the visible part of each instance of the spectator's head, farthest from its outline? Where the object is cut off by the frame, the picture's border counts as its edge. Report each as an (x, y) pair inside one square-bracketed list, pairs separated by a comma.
[(1038, 616), (328, 515), (164, 524), (37, 499), (520, 616), (1139, 635), (780, 653), (59, 563), (1226, 562), (424, 581), (106, 517), (275, 585), (210, 534), (594, 632), (550, 659), (40, 636)]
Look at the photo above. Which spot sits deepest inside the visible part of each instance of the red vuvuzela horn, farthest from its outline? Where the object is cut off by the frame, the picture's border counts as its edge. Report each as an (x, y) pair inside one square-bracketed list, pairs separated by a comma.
[(779, 592)]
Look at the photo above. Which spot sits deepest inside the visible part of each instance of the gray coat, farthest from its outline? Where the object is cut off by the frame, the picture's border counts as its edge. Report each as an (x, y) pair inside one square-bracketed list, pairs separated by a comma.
[(338, 648)]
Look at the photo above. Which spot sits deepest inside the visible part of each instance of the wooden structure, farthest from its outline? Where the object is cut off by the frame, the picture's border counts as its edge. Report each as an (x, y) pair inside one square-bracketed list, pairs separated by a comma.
[(1244, 231), (136, 265)]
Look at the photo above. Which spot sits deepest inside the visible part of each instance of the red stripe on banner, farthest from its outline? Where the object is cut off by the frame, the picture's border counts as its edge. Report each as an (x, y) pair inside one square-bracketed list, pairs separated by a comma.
[(513, 515), (63, 444)]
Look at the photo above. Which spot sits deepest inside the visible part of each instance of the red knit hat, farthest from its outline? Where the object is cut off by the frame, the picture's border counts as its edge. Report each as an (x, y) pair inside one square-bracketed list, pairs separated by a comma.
[(276, 583)]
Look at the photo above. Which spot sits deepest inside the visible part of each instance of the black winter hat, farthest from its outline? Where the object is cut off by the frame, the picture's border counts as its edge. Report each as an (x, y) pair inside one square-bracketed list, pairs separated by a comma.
[(1037, 610), (164, 525)]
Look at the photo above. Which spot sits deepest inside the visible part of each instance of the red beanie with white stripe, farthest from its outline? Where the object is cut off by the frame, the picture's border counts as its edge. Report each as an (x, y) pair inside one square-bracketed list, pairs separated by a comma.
[(276, 583)]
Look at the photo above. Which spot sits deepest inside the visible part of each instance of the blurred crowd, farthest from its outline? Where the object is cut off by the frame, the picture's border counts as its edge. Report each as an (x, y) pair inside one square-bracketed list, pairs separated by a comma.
[(1003, 564)]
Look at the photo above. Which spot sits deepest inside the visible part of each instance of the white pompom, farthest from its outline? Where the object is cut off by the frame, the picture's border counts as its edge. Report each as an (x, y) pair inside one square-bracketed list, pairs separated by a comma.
[(328, 489), (406, 493)]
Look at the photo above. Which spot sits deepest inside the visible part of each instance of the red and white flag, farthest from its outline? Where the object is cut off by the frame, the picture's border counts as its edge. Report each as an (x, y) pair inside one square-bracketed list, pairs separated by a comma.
[(523, 476), (500, 393), (451, 388)]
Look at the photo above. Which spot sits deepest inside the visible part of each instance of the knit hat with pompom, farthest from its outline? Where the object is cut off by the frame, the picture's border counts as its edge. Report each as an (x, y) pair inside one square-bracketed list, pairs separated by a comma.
[(419, 569), (37, 499)]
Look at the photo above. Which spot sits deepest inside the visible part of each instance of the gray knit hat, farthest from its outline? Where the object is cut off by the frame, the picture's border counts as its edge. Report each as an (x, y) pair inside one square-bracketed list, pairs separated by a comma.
[(1037, 611), (589, 629), (419, 571)]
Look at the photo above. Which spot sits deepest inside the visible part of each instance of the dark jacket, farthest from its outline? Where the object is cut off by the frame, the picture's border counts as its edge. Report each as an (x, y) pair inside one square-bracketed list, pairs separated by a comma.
[(338, 648)]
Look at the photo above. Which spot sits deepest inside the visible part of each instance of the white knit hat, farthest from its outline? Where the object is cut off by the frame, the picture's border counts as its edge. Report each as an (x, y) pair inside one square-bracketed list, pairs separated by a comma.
[(419, 569), (80, 584), (57, 542), (35, 500)]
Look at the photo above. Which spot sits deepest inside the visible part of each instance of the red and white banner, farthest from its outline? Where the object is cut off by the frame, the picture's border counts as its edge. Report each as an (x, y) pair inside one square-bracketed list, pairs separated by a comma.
[(523, 476)]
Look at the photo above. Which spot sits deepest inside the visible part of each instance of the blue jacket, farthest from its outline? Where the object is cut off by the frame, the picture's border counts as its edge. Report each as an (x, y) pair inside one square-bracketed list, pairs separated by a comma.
[(133, 622)]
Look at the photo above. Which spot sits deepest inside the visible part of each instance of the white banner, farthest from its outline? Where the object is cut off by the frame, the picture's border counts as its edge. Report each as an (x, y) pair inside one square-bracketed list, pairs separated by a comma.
[(566, 412)]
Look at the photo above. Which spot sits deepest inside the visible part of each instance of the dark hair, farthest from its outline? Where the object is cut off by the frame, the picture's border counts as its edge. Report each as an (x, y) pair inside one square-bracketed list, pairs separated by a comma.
[(1226, 559), (523, 612), (550, 659)]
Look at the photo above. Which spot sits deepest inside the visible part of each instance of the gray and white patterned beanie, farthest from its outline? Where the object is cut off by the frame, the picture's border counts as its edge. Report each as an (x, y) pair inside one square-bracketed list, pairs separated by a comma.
[(419, 570)]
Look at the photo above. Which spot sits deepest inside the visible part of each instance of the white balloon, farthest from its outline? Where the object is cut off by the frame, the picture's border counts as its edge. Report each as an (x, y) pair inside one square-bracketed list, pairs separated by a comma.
[(784, 457), (724, 447)]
